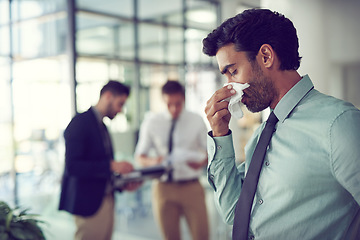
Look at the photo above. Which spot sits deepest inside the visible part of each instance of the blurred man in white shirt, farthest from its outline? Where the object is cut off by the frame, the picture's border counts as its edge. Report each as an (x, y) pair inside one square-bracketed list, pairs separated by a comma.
[(177, 137)]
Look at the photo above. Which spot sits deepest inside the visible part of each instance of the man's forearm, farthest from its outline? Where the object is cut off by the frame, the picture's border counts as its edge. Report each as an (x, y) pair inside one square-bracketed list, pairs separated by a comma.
[(146, 161)]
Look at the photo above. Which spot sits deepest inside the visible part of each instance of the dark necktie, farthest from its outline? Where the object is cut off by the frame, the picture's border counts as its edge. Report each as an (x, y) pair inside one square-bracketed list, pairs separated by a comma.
[(173, 121), (109, 152), (244, 204), (107, 140)]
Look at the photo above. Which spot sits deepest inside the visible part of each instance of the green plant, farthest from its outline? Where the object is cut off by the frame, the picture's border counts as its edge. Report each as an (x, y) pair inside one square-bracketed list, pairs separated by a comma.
[(18, 225)]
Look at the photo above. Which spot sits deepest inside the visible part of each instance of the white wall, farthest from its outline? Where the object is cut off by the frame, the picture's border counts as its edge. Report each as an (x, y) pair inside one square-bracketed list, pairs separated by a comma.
[(329, 36)]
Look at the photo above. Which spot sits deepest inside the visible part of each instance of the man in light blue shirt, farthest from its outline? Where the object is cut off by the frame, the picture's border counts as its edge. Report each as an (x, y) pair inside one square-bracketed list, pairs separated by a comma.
[(309, 185)]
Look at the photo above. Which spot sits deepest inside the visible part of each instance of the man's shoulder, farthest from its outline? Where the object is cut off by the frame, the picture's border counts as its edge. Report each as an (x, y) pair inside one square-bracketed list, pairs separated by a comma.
[(81, 118), (154, 116), (83, 115), (193, 120), (323, 103), (192, 115), (321, 111)]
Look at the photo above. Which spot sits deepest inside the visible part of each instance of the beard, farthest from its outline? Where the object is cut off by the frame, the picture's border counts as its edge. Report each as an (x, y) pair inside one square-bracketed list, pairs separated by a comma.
[(261, 92), (109, 111)]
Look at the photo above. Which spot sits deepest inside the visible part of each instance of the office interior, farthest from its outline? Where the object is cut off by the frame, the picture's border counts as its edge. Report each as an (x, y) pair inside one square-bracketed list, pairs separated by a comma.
[(55, 55)]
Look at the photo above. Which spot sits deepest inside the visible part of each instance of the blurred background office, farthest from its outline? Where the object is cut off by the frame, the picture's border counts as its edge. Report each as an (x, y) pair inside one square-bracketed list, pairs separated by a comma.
[(56, 54)]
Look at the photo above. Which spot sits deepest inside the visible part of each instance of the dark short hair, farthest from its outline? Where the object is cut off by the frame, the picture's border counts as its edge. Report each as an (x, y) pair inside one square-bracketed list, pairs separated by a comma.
[(116, 88), (251, 29), (173, 87)]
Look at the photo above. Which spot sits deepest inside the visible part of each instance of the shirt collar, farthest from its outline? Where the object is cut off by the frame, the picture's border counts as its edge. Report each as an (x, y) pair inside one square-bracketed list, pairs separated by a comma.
[(97, 114), (168, 115), (289, 101)]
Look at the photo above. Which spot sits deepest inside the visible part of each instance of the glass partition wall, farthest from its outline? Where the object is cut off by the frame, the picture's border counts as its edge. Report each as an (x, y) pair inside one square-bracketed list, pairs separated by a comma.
[(35, 104), (55, 55), (142, 43)]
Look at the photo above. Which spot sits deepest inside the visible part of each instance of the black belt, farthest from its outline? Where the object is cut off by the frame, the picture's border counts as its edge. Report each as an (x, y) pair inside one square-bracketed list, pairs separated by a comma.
[(185, 181)]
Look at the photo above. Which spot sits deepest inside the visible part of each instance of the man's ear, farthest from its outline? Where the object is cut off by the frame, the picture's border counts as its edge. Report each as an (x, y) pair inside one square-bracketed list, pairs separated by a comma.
[(108, 95), (266, 55)]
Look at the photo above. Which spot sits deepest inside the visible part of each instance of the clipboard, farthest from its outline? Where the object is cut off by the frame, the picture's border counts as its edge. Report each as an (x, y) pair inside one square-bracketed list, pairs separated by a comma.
[(140, 174)]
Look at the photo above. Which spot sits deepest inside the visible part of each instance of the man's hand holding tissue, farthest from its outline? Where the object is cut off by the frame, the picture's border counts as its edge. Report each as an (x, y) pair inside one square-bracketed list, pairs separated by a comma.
[(217, 111)]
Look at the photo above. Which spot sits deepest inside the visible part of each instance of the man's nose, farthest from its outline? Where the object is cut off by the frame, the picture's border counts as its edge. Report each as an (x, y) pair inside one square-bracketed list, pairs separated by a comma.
[(229, 78)]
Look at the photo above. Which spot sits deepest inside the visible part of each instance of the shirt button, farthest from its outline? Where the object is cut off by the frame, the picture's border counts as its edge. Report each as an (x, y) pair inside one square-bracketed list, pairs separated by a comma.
[(267, 163), (211, 176), (274, 130), (219, 147), (261, 201), (251, 237)]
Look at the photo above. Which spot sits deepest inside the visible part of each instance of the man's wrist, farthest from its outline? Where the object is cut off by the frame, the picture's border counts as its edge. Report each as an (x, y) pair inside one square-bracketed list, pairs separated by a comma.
[(212, 134)]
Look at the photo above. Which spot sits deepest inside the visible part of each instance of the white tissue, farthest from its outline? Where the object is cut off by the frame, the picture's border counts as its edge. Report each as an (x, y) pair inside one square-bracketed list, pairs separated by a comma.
[(235, 100)]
